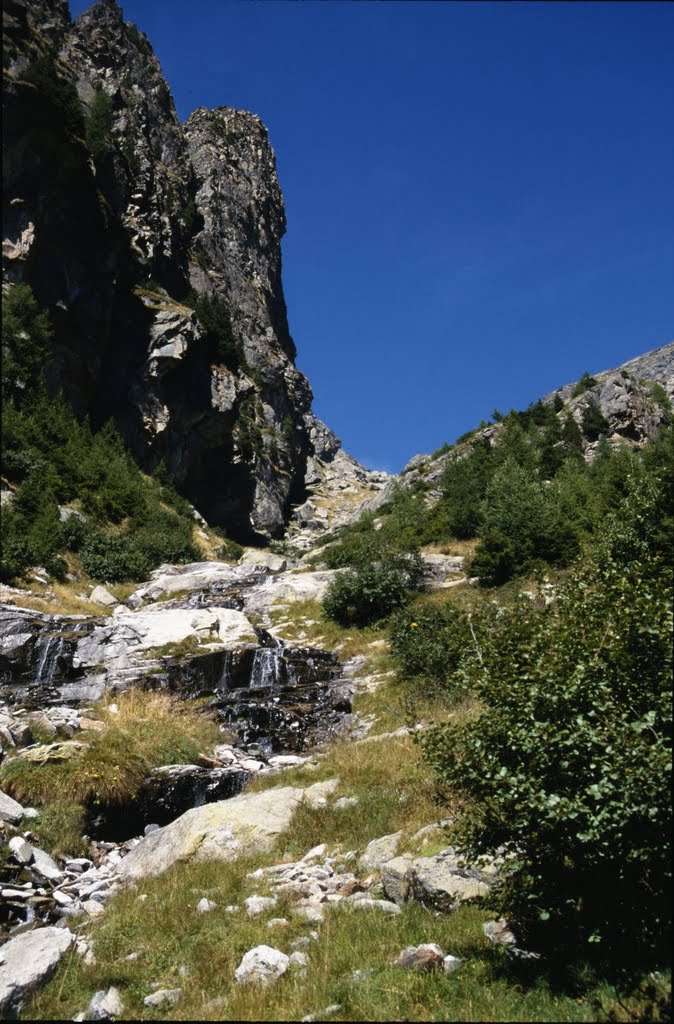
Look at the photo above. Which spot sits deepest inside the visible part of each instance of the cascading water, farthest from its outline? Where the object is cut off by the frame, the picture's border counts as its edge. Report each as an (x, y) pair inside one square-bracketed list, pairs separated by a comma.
[(267, 668)]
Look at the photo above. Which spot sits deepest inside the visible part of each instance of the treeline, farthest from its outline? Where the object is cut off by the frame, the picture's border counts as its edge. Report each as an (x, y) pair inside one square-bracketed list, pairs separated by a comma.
[(529, 499), (122, 523)]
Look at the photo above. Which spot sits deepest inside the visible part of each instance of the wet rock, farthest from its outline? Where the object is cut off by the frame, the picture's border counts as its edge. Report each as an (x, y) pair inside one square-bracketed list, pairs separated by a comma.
[(105, 1005), (210, 578), (262, 965), (27, 961), (424, 958)]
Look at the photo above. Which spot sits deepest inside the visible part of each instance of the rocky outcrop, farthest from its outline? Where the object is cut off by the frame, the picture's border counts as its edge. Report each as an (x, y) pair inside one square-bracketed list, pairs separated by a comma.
[(221, 831), (118, 230)]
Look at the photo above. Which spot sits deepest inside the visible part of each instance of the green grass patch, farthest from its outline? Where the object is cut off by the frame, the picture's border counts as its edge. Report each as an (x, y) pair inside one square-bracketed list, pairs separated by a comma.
[(177, 948)]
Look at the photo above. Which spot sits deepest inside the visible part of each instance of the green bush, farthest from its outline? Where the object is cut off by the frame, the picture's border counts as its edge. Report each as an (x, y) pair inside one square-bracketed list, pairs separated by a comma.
[(567, 766), (593, 421), (358, 597), (429, 642), (113, 559), (584, 384), (213, 315)]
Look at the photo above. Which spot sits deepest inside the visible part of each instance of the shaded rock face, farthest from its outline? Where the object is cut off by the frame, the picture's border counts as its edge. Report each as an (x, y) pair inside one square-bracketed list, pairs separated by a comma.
[(112, 241)]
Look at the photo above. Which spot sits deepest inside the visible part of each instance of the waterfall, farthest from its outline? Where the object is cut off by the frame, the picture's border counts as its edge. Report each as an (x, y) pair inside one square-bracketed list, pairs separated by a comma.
[(51, 649), (266, 670), (226, 674)]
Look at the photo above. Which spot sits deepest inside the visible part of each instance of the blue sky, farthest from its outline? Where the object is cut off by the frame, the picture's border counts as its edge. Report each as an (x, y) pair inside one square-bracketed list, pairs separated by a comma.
[(479, 195)]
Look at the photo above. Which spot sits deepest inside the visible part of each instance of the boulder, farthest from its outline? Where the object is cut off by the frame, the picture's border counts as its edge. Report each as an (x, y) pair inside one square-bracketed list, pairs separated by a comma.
[(379, 851), (102, 596), (261, 557), (286, 588), (21, 850), (219, 831), (173, 579), (394, 877), (441, 882), (27, 961), (10, 810), (424, 958), (105, 1005), (163, 997), (262, 965)]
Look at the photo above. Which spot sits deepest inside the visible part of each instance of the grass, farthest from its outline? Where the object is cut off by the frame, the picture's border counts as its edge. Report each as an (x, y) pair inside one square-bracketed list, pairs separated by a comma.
[(177, 948), (304, 622)]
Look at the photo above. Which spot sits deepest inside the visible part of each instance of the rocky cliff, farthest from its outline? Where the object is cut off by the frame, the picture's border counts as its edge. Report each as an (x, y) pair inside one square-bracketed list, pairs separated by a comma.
[(156, 248)]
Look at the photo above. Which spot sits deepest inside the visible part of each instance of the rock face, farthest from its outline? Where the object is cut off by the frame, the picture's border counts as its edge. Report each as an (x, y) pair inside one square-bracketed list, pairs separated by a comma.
[(117, 235)]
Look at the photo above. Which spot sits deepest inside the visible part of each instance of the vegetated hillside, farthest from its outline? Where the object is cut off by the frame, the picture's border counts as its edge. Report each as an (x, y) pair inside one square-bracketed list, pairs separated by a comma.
[(154, 250)]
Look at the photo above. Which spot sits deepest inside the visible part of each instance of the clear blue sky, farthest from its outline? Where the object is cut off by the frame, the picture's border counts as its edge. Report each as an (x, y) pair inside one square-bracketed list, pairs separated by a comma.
[(480, 196)]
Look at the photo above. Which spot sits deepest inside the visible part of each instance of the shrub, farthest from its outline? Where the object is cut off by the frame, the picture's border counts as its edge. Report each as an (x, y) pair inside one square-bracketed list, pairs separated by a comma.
[(98, 123), (584, 384), (374, 590), (567, 766), (213, 315), (113, 559), (593, 421), (496, 559), (430, 642)]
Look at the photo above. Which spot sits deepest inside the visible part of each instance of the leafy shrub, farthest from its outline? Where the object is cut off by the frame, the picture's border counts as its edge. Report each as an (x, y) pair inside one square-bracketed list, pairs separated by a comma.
[(113, 559), (213, 315), (496, 559), (567, 765), (430, 642), (58, 95), (373, 590)]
